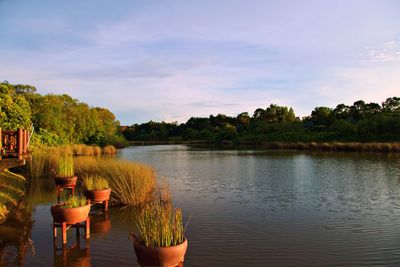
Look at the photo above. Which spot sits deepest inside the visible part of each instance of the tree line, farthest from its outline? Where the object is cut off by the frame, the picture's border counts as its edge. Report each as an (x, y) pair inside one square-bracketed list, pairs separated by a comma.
[(57, 119), (360, 122)]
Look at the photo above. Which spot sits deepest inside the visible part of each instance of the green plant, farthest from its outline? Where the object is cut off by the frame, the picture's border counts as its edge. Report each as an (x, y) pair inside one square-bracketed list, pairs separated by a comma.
[(159, 224), (95, 182), (65, 166), (74, 202)]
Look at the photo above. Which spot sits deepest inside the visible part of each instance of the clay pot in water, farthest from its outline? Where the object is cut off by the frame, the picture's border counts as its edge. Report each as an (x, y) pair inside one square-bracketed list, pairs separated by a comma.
[(66, 181), (69, 215), (160, 256), (98, 195)]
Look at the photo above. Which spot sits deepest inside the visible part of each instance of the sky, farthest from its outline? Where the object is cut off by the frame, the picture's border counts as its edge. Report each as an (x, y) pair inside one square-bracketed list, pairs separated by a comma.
[(169, 60)]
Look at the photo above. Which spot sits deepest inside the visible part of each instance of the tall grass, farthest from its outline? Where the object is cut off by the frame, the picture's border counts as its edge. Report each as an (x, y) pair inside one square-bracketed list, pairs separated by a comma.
[(44, 159), (131, 182), (109, 150), (74, 202), (159, 224), (95, 182), (65, 166), (96, 150), (12, 188)]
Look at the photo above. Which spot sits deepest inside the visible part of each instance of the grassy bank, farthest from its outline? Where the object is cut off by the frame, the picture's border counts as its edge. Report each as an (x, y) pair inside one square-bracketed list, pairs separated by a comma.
[(12, 188), (330, 146), (169, 142), (383, 147)]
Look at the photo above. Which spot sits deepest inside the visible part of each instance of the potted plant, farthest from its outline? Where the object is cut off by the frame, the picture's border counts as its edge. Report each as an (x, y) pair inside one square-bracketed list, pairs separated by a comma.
[(96, 188), (74, 210), (65, 172), (159, 237)]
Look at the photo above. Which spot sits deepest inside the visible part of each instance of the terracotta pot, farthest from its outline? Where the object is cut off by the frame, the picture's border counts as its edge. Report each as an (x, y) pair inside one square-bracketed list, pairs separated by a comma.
[(66, 181), (98, 195), (69, 215), (160, 256)]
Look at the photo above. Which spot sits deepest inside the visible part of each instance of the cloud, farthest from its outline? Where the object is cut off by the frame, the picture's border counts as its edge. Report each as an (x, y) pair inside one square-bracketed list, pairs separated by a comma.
[(210, 104), (170, 60), (386, 53)]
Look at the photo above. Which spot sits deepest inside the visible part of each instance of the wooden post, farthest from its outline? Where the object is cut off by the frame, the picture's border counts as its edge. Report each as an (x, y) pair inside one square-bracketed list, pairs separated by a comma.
[(64, 232), (26, 138), (20, 143)]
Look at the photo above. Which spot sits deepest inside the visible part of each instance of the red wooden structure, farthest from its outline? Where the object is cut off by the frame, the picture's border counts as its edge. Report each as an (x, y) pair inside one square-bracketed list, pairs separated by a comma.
[(13, 147), (64, 228)]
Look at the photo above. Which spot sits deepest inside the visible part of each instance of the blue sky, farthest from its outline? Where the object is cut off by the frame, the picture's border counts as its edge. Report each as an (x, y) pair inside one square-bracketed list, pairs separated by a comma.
[(169, 60)]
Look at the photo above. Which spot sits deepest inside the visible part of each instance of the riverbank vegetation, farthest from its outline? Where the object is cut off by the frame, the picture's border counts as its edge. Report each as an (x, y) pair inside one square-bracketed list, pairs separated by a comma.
[(358, 123), (57, 119), (131, 182), (12, 188)]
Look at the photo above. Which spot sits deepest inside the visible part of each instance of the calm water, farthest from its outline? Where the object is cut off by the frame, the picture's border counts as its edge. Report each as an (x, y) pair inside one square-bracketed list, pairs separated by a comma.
[(247, 207)]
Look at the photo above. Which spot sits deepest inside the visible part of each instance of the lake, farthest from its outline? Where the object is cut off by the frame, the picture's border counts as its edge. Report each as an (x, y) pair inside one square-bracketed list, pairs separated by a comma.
[(246, 208)]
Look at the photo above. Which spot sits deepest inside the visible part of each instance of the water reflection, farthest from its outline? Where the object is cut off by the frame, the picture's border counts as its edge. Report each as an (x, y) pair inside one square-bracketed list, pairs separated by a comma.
[(100, 223), (74, 255), (15, 238)]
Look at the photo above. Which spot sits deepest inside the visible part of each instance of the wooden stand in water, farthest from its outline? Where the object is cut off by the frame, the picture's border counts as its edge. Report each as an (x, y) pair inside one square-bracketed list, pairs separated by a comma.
[(64, 227)]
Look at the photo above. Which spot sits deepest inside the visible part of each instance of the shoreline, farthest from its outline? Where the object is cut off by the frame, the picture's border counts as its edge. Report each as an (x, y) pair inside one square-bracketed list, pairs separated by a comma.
[(383, 147)]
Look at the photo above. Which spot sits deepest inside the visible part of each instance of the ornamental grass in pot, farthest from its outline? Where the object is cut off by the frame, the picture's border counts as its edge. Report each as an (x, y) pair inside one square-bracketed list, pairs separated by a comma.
[(65, 172), (159, 237), (74, 210), (96, 188)]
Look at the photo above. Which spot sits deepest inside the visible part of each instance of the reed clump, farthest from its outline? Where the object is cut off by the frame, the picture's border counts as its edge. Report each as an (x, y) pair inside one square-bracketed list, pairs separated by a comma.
[(44, 162), (88, 151), (65, 166), (74, 202), (159, 224), (96, 150), (44, 159), (131, 182), (95, 182), (109, 150)]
